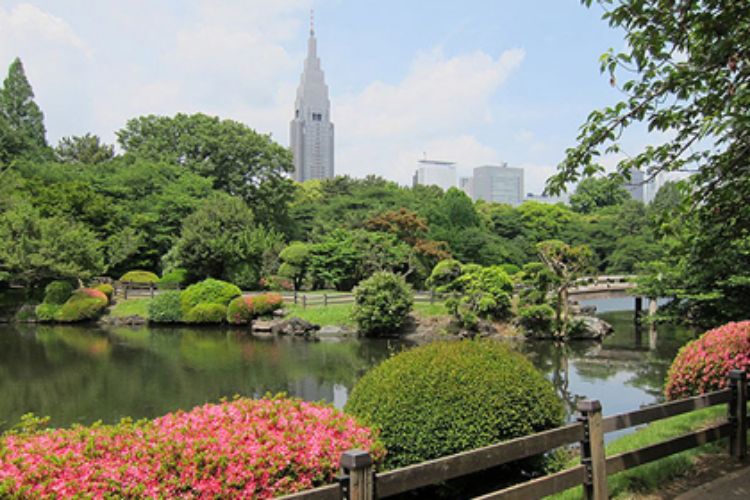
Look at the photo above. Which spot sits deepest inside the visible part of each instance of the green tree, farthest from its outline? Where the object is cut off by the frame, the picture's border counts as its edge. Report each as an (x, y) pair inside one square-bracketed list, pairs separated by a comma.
[(688, 78), (598, 192), (567, 263), (295, 261), (86, 149), (239, 160), (220, 240), (18, 108)]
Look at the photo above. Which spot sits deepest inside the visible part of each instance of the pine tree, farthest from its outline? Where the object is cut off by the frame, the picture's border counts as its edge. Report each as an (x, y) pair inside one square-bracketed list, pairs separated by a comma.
[(17, 106)]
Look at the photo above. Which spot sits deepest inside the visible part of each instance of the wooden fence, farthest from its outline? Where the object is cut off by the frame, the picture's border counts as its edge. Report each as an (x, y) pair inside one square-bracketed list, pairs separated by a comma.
[(359, 482), (324, 299)]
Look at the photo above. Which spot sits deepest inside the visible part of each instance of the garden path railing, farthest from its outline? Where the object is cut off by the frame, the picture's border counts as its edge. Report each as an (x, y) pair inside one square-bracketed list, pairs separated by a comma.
[(359, 482)]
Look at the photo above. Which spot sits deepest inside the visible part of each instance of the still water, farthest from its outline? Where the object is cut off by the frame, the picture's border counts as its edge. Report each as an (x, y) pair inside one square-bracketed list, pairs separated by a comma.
[(88, 373)]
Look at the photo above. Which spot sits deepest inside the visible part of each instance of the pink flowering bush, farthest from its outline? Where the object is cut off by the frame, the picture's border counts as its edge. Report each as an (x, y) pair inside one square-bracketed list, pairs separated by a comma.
[(240, 449), (703, 364)]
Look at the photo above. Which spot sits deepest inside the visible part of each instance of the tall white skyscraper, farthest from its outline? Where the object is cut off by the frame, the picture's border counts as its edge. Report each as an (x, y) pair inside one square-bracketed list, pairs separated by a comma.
[(498, 184), (311, 130)]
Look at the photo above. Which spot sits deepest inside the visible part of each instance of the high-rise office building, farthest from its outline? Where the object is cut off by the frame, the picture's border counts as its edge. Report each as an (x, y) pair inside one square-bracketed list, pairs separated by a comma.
[(311, 130), (435, 173), (498, 184)]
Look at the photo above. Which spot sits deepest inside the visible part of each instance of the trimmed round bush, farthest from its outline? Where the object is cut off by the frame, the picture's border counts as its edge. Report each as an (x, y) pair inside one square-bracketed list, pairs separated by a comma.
[(165, 307), (265, 304), (240, 311), (57, 292), (381, 303), (208, 291), (206, 313), (173, 279), (704, 364), (84, 304), (448, 397), (46, 313), (443, 274), (139, 277), (106, 289)]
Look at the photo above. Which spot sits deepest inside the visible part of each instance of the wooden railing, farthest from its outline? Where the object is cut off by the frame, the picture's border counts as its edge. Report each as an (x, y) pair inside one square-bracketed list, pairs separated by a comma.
[(325, 299), (359, 482)]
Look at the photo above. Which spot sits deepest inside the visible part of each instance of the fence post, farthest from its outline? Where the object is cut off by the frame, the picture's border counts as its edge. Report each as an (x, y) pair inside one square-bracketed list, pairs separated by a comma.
[(295, 296), (592, 450), (151, 289), (432, 296), (304, 301), (738, 414), (325, 299), (357, 478), (125, 290)]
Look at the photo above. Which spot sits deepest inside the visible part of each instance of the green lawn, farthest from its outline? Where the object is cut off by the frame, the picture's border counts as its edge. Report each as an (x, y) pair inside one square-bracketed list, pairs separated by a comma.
[(649, 477), (130, 307), (332, 315)]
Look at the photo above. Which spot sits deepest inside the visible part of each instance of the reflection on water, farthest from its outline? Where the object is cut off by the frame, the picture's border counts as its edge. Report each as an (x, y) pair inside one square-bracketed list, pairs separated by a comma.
[(87, 373)]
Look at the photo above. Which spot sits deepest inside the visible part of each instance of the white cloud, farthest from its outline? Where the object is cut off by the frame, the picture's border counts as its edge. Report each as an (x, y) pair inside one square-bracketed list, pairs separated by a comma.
[(385, 128)]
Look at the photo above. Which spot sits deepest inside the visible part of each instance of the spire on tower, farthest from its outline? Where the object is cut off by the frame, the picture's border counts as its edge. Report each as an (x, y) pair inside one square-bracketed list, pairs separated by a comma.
[(312, 22)]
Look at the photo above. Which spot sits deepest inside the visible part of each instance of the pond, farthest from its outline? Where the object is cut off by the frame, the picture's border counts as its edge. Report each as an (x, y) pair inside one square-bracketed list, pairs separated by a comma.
[(88, 373)]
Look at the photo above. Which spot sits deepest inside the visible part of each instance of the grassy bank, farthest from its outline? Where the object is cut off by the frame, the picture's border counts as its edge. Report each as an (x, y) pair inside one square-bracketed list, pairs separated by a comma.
[(130, 307), (649, 477), (340, 314)]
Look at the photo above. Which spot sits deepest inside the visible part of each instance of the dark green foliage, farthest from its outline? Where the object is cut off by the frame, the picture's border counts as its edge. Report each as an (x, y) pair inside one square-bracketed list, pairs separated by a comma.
[(206, 313), (82, 306), (165, 307), (382, 303), (145, 277), (57, 292), (598, 192), (19, 112), (86, 150), (209, 291), (448, 397), (480, 292), (537, 319), (295, 260), (173, 279), (47, 313), (444, 274)]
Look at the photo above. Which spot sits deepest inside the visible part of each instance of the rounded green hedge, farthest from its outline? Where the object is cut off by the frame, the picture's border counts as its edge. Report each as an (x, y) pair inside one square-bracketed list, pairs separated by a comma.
[(57, 292), (206, 313), (173, 279), (382, 303), (448, 397), (242, 310), (139, 277), (165, 307), (46, 313), (106, 289), (84, 304), (208, 291)]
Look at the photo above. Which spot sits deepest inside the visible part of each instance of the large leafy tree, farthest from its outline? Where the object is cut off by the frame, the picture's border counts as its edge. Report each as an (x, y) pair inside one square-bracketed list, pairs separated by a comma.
[(686, 74), (239, 160), (85, 149), (597, 192), (21, 121)]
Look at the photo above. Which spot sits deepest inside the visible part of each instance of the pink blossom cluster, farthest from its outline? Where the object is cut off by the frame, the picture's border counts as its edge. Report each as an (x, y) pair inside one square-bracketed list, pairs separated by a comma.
[(704, 364), (95, 294), (240, 449)]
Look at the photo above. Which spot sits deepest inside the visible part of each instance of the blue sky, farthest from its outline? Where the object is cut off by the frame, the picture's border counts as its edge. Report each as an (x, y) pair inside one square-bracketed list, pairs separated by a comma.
[(473, 82)]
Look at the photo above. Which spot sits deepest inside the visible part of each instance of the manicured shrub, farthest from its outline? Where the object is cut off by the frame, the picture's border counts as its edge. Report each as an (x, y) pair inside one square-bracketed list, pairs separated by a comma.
[(84, 304), (165, 307), (106, 289), (480, 292), (173, 279), (704, 364), (265, 304), (444, 274), (208, 291), (242, 449), (447, 397), (206, 313), (139, 277), (382, 303), (537, 318), (46, 313), (57, 292)]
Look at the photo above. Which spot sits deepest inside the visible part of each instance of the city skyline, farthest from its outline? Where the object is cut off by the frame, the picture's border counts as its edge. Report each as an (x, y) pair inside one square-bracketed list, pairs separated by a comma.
[(477, 83)]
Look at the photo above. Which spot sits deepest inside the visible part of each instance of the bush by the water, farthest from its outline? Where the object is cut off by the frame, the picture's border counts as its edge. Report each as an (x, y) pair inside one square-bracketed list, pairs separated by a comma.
[(173, 279), (165, 307), (480, 292), (84, 304), (106, 289), (47, 312), (704, 364), (382, 303), (206, 313), (242, 310), (139, 277), (241, 449), (537, 318), (208, 291), (57, 292), (448, 397)]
